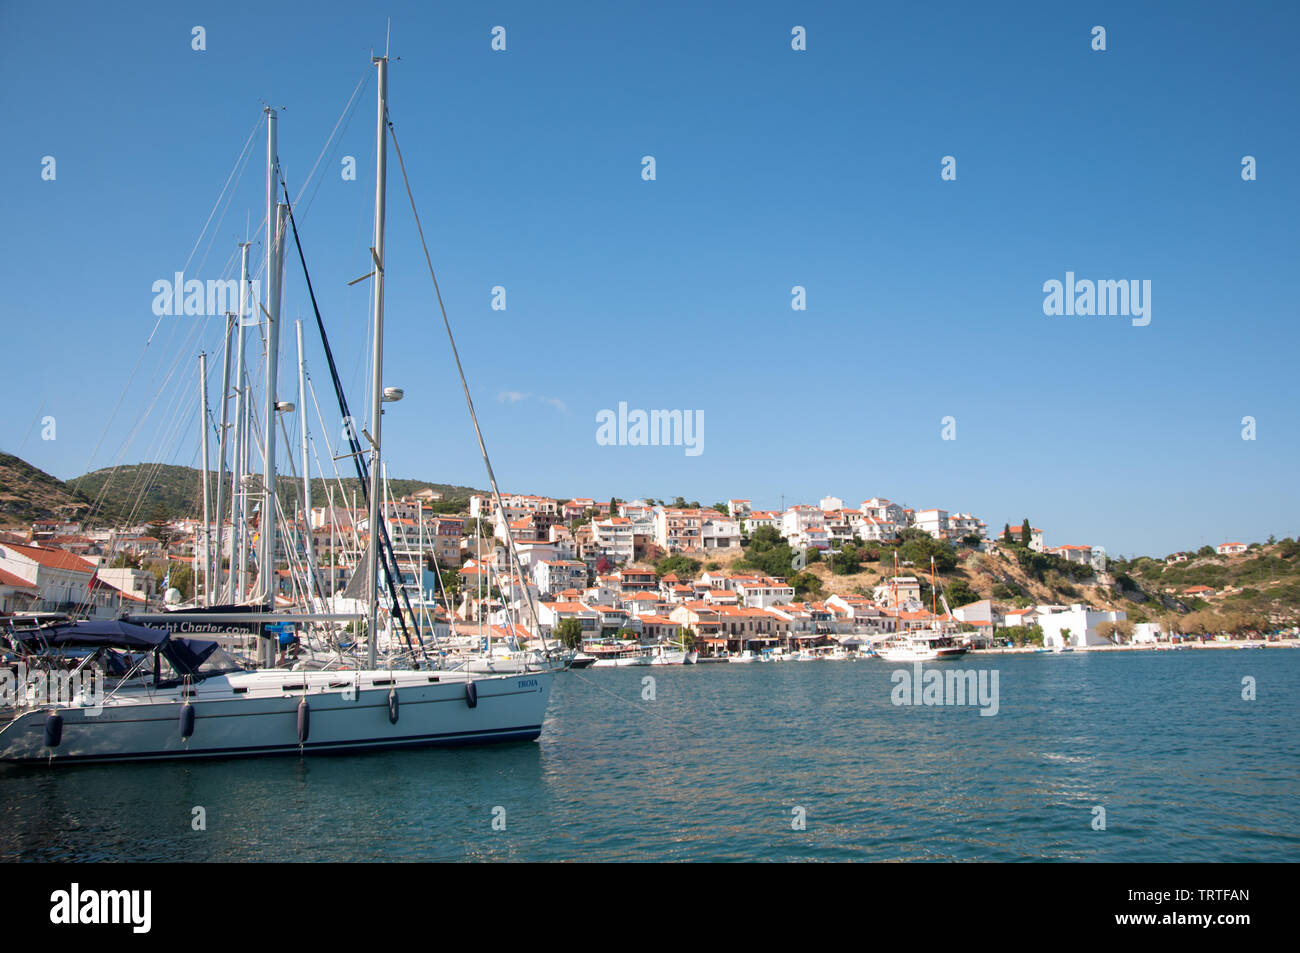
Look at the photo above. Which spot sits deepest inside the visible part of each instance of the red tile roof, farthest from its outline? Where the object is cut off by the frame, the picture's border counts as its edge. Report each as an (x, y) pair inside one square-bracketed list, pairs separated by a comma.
[(53, 558), (16, 582)]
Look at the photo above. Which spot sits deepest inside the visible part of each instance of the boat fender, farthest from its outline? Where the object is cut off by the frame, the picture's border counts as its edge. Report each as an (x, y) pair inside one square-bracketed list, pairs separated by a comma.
[(304, 721), (53, 729), (392, 706), (471, 694), (187, 720)]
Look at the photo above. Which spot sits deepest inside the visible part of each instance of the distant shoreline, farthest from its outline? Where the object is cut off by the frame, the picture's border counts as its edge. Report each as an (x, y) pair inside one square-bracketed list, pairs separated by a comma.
[(1161, 647)]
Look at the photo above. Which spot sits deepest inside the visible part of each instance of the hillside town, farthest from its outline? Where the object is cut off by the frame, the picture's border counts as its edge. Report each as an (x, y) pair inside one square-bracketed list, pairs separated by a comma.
[(637, 571)]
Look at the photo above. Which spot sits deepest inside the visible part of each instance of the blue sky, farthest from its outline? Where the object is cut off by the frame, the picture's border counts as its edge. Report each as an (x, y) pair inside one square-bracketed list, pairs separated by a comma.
[(775, 168)]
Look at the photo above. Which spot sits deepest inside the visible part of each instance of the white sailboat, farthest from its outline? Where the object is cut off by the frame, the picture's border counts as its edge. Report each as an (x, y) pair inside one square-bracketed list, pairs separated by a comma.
[(175, 697)]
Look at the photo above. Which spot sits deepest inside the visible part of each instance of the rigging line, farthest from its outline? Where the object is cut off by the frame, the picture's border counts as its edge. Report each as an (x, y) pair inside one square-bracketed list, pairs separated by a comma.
[(261, 117), (166, 434), (329, 449), (212, 237), (349, 110), (297, 572), (302, 532), (97, 506), (510, 542), (380, 539)]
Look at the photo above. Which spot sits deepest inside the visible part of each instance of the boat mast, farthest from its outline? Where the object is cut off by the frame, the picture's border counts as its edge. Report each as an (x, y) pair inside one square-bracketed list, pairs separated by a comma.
[(377, 385), (207, 518), (221, 464), (306, 473), (934, 597), (239, 466), (274, 217)]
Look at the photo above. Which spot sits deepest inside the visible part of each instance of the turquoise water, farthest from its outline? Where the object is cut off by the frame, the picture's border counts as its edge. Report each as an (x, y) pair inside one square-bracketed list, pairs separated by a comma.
[(714, 766)]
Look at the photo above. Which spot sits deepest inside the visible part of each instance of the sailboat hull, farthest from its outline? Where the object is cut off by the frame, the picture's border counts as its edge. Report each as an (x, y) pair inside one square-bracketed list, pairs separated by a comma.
[(263, 718)]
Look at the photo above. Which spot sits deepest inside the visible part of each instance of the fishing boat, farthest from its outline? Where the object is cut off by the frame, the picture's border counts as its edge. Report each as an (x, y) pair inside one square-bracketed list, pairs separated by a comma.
[(921, 646), (186, 698), (629, 654)]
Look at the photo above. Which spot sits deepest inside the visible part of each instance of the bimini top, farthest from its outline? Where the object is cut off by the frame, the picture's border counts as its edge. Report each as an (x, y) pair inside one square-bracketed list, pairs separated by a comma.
[(92, 634)]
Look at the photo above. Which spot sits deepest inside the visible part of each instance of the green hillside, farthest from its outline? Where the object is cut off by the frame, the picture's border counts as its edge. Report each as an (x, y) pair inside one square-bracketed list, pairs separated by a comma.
[(147, 491), (27, 494)]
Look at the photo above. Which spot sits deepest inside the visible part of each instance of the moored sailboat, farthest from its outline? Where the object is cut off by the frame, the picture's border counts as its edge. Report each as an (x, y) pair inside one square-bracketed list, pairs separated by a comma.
[(186, 698)]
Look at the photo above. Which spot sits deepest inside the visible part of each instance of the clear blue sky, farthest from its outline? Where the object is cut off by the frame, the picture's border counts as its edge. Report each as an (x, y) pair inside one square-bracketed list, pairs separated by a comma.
[(775, 168)]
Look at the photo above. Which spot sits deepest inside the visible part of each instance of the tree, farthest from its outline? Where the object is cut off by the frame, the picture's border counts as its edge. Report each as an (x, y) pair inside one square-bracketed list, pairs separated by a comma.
[(959, 593), (683, 566), (1026, 535), (569, 632), (1006, 533), (846, 562), (805, 584), (1026, 634)]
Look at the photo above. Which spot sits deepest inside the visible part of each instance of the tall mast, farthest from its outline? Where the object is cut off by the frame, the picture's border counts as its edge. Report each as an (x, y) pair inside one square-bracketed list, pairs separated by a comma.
[(377, 383), (239, 466), (221, 465), (266, 564), (934, 596), (306, 472), (207, 516)]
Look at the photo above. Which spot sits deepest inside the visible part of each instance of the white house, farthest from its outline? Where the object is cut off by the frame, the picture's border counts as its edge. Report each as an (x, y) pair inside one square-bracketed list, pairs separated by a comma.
[(813, 538), (975, 612), (614, 538), (756, 518), (719, 532), (882, 510), (763, 594), (63, 579), (1228, 549), (800, 518), (1146, 632), (934, 522), (1076, 626), (555, 575), (907, 588), (871, 529)]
